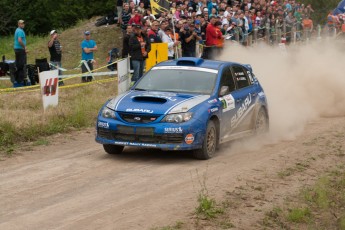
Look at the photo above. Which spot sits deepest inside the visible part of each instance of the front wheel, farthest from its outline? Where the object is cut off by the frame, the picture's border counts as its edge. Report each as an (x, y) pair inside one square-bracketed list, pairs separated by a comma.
[(113, 149), (261, 123), (209, 145)]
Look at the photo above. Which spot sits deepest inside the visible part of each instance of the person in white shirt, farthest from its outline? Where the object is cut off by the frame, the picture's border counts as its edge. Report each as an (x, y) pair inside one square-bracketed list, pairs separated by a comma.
[(166, 38)]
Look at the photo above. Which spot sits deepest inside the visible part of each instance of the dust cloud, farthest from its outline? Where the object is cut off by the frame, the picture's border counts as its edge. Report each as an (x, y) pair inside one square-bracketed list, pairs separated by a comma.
[(302, 83)]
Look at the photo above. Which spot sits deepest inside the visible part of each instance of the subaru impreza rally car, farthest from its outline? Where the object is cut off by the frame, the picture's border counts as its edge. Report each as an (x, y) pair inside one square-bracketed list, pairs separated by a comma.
[(185, 104)]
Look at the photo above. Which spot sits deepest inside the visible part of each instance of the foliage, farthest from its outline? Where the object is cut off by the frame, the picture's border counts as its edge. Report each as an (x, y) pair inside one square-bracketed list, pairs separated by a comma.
[(321, 9), (44, 15)]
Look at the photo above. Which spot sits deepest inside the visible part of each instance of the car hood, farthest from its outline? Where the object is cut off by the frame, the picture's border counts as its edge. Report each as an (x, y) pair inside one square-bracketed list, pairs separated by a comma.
[(153, 102)]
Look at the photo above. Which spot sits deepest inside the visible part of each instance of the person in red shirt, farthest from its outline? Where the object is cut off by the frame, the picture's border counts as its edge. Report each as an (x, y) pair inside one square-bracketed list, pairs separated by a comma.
[(213, 35), (135, 19)]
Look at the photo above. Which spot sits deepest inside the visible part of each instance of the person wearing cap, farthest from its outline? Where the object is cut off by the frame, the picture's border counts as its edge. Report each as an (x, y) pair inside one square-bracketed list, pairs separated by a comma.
[(20, 54), (139, 47), (88, 47), (55, 49)]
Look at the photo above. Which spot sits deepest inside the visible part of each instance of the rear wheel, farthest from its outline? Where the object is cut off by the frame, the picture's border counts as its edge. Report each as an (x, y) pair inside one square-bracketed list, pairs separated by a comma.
[(210, 143), (261, 123), (113, 149)]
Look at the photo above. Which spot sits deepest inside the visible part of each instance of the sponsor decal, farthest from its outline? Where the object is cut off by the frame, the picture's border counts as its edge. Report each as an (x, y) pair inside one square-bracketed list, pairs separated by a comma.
[(228, 102), (241, 110), (123, 78), (137, 118), (239, 74), (189, 139), (212, 110), (241, 78), (173, 130), (102, 124), (139, 110), (212, 101), (134, 144)]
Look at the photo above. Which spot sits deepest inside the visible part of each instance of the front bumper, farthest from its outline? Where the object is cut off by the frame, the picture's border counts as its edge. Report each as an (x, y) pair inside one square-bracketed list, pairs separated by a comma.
[(166, 136)]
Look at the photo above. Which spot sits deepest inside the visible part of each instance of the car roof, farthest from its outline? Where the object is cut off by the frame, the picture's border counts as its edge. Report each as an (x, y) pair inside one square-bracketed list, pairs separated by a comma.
[(195, 62), (201, 63)]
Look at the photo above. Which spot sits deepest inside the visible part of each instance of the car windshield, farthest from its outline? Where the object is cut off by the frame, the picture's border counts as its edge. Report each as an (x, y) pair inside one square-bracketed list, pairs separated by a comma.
[(179, 79)]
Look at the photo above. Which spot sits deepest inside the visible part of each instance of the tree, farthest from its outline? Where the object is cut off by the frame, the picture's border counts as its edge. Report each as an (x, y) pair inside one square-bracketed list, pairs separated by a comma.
[(43, 15), (321, 8)]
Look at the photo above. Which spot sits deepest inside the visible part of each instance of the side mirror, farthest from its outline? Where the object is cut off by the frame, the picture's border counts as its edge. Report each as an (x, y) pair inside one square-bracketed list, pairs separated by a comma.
[(224, 90)]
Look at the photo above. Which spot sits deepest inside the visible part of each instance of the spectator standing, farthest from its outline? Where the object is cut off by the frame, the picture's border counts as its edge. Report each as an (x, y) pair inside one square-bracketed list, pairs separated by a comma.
[(141, 8), (307, 24), (55, 50), (20, 54), (167, 38), (213, 35), (164, 24), (289, 19), (139, 47), (119, 4), (136, 18), (125, 17), (88, 47), (153, 33), (189, 38), (125, 42)]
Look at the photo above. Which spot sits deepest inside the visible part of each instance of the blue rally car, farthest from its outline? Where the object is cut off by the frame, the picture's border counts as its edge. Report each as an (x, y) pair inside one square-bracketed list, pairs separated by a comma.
[(185, 104)]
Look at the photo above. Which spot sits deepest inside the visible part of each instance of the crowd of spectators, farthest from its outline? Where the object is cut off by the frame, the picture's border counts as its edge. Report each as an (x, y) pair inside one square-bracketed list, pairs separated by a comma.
[(208, 24)]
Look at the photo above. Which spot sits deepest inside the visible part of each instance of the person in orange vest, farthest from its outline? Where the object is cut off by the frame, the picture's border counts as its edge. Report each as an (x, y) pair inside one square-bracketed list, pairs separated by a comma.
[(307, 24)]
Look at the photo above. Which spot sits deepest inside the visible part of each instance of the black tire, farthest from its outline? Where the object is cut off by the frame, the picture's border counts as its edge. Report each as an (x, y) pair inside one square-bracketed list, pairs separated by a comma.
[(113, 149), (261, 122), (210, 143)]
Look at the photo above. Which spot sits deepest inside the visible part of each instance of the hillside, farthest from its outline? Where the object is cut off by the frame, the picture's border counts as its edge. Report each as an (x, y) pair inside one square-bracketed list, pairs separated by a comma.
[(106, 37)]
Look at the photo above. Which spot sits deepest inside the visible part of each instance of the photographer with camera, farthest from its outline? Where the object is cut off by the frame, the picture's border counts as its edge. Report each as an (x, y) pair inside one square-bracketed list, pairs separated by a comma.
[(189, 38)]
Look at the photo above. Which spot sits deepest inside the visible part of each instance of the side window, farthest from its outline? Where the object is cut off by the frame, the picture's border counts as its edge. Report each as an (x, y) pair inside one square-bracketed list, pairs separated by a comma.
[(227, 80), (241, 78)]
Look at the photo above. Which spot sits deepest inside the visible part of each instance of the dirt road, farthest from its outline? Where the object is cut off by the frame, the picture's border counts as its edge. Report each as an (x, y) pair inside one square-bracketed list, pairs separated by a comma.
[(73, 184)]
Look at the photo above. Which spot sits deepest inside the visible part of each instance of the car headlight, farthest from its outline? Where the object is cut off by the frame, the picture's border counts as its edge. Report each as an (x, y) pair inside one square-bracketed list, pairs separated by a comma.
[(108, 113), (178, 117)]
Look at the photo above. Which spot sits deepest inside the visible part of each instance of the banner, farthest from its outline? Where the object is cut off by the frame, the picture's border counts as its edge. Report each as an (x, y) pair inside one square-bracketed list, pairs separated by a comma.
[(49, 88), (123, 79), (159, 6), (158, 53)]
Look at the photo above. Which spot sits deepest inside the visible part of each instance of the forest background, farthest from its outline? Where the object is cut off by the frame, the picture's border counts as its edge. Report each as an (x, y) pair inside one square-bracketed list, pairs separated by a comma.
[(43, 15)]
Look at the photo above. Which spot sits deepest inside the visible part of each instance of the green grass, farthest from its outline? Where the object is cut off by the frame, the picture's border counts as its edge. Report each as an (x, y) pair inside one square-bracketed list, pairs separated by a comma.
[(22, 116), (320, 206), (299, 215), (41, 141), (207, 207)]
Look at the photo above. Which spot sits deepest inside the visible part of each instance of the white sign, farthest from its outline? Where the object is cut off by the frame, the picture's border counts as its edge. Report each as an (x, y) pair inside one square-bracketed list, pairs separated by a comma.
[(49, 88), (123, 78)]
